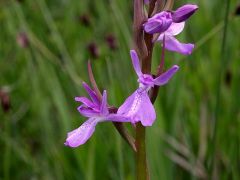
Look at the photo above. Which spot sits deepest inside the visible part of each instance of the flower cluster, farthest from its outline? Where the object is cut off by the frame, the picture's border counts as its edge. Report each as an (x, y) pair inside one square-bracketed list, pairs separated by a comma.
[(170, 24), (138, 106)]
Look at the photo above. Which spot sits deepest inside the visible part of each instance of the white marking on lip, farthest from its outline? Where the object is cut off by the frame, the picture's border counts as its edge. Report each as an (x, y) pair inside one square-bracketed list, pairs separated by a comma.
[(135, 105)]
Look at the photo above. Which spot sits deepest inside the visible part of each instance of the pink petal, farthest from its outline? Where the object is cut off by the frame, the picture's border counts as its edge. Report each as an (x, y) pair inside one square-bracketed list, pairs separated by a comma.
[(103, 108), (124, 108), (159, 23), (175, 29), (145, 113), (91, 93), (136, 62), (85, 101), (172, 44), (165, 77), (184, 12), (88, 112), (138, 107), (80, 135)]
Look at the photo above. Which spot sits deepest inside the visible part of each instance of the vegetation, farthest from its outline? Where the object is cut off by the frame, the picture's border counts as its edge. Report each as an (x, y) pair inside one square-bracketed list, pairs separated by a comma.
[(44, 49)]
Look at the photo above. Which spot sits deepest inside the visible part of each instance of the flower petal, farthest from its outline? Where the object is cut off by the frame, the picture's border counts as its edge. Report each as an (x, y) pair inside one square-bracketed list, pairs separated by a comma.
[(175, 29), (136, 62), (80, 135), (88, 112), (91, 93), (146, 112), (103, 108), (158, 23), (183, 13), (125, 107), (138, 107), (172, 44), (165, 77), (85, 101)]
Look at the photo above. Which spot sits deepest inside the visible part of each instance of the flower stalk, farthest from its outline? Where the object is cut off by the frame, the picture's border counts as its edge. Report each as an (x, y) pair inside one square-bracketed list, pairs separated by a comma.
[(141, 160), (142, 42), (154, 26)]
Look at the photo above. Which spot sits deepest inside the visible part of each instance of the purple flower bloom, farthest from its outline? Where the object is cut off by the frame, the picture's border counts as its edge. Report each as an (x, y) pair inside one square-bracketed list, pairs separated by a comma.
[(158, 23), (138, 106), (96, 111), (171, 43), (183, 13), (171, 24)]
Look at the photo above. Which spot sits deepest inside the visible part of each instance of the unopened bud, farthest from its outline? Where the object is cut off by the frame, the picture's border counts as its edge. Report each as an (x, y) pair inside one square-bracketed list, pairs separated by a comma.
[(22, 40), (84, 20), (237, 11), (111, 41), (93, 50), (183, 13), (5, 101)]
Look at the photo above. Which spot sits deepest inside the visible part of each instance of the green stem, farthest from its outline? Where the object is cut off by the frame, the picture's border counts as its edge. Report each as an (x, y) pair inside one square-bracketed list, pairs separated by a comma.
[(7, 155), (141, 161)]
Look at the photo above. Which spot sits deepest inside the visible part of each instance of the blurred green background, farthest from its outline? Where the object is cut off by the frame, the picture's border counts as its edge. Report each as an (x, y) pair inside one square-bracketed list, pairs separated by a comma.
[(44, 48)]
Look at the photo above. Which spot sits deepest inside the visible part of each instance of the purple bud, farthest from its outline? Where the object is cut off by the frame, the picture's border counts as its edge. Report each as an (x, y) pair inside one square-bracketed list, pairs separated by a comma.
[(158, 23), (111, 41), (22, 40), (237, 11), (84, 20), (228, 78), (93, 50), (5, 101), (183, 13)]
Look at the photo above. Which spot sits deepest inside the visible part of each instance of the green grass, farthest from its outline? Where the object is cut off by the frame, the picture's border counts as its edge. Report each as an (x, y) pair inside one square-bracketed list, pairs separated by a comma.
[(44, 78)]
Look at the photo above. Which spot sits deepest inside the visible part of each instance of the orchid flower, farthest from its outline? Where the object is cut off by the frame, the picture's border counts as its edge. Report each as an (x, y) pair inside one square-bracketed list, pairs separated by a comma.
[(159, 23), (170, 24), (96, 111), (171, 43), (138, 106)]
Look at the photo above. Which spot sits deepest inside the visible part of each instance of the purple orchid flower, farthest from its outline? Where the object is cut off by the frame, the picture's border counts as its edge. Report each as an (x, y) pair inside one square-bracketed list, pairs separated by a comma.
[(170, 24), (138, 106), (96, 111), (184, 12), (158, 23), (171, 43)]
